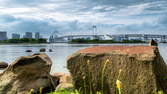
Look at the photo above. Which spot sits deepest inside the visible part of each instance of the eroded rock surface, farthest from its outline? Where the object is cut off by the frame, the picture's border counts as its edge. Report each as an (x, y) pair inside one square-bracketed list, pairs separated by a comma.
[(143, 70), (25, 74)]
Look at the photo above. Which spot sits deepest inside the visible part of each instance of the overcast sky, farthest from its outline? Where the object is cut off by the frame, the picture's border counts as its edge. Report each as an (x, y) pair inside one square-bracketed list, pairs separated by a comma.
[(78, 16)]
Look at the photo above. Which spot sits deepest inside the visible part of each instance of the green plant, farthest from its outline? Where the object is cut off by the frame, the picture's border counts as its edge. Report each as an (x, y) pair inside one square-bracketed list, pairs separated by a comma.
[(102, 78), (40, 90), (89, 76), (98, 92), (65, 92), (160, 92), (84, 84), (31, 91), (118, 84), (70, 92), (102, 75)]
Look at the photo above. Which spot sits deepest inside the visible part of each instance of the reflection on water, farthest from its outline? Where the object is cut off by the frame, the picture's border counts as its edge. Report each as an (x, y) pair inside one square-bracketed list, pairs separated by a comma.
[(9, 53)]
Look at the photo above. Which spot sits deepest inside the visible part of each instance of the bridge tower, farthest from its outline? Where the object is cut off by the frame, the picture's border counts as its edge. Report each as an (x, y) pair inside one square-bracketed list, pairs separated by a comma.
[(54, 35), (126, 37), (163, 38), (145, 38), (94, 31)]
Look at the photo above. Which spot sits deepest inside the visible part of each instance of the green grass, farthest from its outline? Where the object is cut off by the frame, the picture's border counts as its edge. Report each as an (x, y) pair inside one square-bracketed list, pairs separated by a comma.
[(65, 92), (118, 83), (69, 92), (160, 92), (102, 77), (90, 83), (89, 77)]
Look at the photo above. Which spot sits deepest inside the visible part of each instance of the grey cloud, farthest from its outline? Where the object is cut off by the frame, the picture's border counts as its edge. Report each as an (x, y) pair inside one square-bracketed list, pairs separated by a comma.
[(163, 21), (46, 27), (158, 27), (79, 8), (123, 2), (7, 18)]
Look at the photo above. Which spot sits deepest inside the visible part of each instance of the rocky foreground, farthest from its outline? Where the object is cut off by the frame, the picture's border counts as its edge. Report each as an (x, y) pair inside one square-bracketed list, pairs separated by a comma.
[(30, 75), (107, 69), (129, 69)]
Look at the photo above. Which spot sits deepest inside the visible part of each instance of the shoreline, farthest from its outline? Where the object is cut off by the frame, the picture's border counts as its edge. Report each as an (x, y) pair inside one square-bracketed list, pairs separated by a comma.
[(76, 43)]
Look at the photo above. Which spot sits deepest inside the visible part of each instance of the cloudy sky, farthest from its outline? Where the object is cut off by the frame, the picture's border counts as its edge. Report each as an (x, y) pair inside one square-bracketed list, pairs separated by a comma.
[(78, 16)]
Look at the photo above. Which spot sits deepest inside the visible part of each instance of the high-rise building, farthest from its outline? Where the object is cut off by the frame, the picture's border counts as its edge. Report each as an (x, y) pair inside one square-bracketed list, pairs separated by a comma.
[(15, 36), (3, 35), (28, 35), (37, 35), (51, 39)]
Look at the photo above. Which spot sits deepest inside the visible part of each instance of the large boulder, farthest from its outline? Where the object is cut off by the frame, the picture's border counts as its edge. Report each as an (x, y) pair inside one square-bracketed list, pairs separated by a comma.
[(3, 65), (127, 69), (28, 73)]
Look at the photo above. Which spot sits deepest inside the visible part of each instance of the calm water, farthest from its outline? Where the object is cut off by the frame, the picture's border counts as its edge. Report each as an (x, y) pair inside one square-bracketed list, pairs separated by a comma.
[(9, 53)]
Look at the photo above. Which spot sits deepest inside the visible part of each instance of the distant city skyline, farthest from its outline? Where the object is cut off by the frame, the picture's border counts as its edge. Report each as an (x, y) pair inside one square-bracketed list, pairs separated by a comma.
[(78, 16), (15, 36), (4, 35)]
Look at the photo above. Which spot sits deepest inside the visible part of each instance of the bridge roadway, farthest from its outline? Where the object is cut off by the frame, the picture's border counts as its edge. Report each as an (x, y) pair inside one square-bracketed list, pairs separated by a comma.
[(138, 35), (67, 36), (145, 37)]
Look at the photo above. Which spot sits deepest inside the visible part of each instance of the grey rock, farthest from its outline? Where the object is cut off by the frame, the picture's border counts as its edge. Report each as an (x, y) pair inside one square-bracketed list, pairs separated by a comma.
[(3, 65), (25, 74), (153, 43), (42, 50), (28, 51)]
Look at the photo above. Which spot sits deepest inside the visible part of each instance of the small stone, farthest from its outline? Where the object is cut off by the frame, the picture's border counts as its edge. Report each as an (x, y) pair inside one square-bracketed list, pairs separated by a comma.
[(42, 50), (50, 50), (28, 51), (153, 43), (3, 65), (36, 54)]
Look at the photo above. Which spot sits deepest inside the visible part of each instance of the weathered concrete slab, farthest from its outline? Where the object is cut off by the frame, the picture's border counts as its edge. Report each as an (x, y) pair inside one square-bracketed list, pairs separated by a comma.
[(143, 70)]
